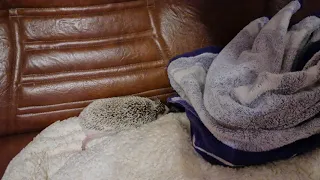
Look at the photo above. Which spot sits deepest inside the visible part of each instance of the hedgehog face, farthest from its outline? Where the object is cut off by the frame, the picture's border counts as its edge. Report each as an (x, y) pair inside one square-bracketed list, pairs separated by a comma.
[(160, 108)]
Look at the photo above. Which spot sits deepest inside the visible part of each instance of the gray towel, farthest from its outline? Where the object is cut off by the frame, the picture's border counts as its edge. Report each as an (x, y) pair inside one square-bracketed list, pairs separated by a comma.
[(246, 95)]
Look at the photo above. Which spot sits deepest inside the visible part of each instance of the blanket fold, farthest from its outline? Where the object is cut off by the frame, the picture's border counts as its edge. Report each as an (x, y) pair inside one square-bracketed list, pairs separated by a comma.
[(248, 95)]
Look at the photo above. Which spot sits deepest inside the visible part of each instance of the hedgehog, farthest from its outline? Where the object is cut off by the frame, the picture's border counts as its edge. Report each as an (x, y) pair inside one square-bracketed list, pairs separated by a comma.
[(119, 113)]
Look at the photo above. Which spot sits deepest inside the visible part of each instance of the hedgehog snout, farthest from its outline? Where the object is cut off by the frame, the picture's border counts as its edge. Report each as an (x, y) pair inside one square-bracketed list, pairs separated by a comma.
[(161, 111)]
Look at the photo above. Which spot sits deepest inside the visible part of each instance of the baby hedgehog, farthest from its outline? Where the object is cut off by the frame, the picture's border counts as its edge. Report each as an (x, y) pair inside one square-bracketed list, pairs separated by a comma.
[(119, 113)]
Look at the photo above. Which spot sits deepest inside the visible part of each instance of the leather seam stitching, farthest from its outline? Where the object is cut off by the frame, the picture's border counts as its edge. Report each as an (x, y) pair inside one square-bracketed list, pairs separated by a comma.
[(88, 6), (12, 93), (87, 70), (85, 78), (96, 38), (159, 36), (159, 89), (61, 110), (101, 13), (81, 108), (21, 61), (164, 94), (158, 49), (155, 34), (84, 101), (88, 46)]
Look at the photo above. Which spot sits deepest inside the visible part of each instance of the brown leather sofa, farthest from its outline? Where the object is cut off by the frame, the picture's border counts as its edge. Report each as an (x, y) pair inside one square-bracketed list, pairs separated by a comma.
[(57, 56)]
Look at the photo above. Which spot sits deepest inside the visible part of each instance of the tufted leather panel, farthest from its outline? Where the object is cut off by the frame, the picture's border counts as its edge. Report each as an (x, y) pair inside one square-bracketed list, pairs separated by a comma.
[(67, 57)]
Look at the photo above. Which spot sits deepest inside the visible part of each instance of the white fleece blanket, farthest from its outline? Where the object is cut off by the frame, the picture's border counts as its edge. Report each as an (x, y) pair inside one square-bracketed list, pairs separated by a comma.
[(158, 150)]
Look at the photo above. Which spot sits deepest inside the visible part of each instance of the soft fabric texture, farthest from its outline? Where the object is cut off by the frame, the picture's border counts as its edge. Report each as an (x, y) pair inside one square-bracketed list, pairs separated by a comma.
[(215, 152), (158, 150), (306, 55), (246, 96)]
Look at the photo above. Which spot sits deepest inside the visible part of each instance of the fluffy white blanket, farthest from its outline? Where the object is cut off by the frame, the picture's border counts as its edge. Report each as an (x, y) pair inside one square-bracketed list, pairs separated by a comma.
[(158, 150)]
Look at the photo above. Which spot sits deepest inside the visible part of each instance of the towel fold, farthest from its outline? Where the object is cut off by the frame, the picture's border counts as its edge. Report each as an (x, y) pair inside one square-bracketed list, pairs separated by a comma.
[(247, 96)]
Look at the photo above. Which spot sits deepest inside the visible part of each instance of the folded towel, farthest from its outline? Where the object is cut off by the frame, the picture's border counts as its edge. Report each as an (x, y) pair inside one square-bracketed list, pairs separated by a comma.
[(307, 55), (246, 95), (215, 152)]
